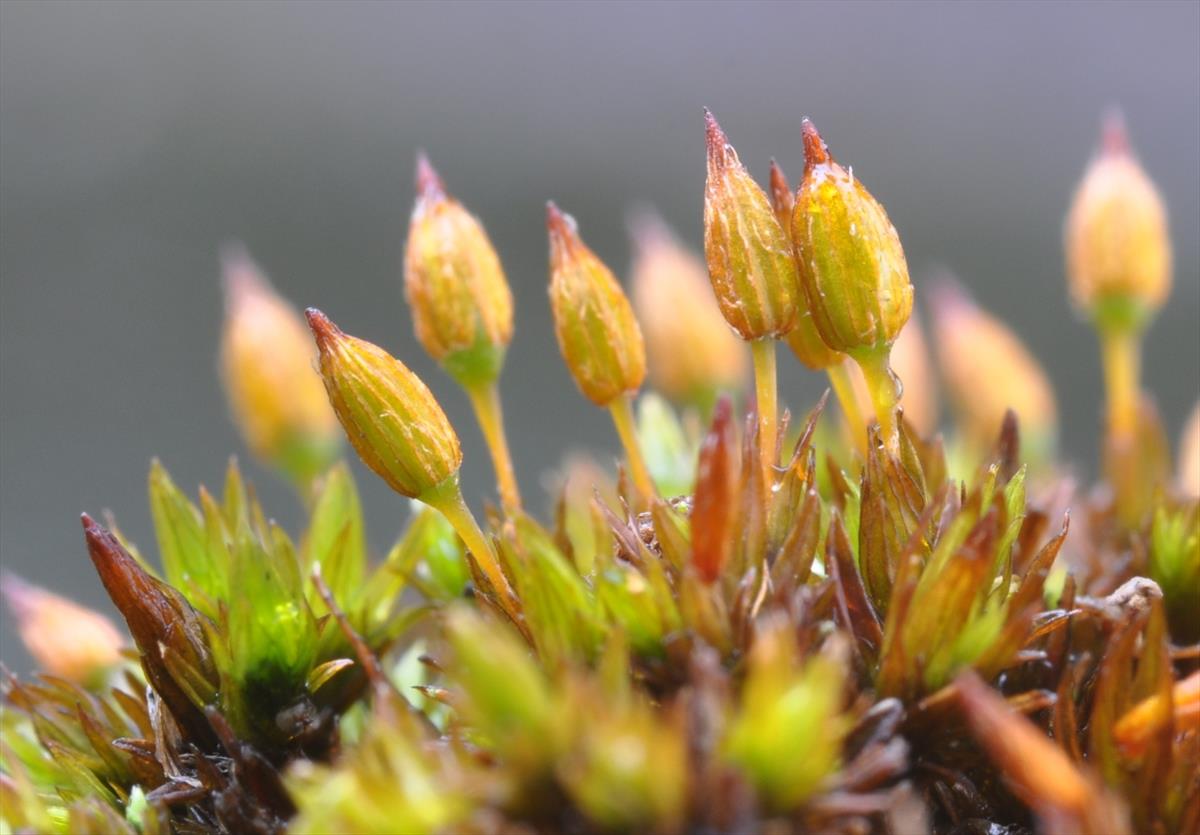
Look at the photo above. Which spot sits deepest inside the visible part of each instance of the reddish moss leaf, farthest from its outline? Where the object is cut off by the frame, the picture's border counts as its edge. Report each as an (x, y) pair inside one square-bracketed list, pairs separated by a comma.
[(1064, 798), (159, 619), (715, 505)]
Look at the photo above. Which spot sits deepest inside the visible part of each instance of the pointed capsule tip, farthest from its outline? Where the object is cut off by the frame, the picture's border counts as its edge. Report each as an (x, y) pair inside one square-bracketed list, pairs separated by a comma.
[(1114, 133), (559, 222), (233, 253), (647, 228), (16, 593), (323, 329), (816, 152), (89, 524), (429, 182), (240, 275), (718, 143)]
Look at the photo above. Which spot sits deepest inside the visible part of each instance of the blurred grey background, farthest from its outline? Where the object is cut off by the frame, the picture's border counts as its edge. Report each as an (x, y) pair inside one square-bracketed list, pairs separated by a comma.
[(136, 137)]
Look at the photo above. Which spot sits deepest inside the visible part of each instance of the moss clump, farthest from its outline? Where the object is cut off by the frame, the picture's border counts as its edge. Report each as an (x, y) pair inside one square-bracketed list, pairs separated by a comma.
[(835, 624)]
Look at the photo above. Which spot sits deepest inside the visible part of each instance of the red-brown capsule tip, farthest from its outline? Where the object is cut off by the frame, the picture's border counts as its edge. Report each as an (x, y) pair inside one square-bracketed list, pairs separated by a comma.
[(720, 153), (816, 152), (556, 221), (1114, 134), (429, 185), (564, 231), (325, 331)]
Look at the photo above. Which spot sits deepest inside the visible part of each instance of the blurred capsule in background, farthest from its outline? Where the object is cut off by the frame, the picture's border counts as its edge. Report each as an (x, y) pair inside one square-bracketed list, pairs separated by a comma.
[(268, 366), (64, 638), (1189, 456), (1117, 242), (461, 304), (987, 370), (691, 350)]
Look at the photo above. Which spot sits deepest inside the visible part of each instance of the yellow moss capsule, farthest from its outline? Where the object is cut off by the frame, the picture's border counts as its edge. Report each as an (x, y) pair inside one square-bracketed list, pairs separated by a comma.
[(849, 256), (690, 348), (593, 320), (267, 362), (461, 303), (803, 339), (390, 417), (64, 638), (749, 256), (987, 370), (1117, 243)]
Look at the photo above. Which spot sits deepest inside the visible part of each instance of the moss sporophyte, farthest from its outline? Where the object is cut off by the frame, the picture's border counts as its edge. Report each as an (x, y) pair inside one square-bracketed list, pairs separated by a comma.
[(873, 621)]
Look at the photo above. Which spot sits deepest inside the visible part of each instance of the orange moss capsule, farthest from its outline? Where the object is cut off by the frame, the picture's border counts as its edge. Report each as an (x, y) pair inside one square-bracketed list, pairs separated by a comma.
[(849, 256), (1117, 243), (803, 339), (749, 256), (64, 638), (461, 304), (267, 360), (392, 420), (593, 320), (987, 370), (692, 353)]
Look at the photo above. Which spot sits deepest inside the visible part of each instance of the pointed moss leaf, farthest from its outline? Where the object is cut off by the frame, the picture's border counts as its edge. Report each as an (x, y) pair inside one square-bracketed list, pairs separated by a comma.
[(561, 611), (506, 695), (1175, 566), (272, 632), (235, 500), (893, 496), (180, 533), (628, 601), (671, 531), (670, 457), (322, 673), (432, 556), (336, 538), (786, 708)]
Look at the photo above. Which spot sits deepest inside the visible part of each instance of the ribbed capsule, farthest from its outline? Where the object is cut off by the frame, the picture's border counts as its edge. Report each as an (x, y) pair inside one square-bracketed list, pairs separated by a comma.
[(803, 339), (1117, 242), (461, 304), (276, 397), (691, 350), (749, 256), (849, 256), (390, 417), (593, 320)]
